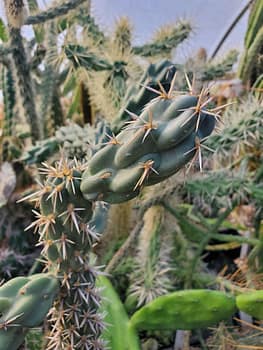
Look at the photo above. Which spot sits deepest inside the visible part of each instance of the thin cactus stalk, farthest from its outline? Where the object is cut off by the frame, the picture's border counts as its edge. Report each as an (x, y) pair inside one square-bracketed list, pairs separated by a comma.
[(9, 101), (54, 12), (250, 57), (167, 39), (48, 83), (122, 36), (14, 11), (9, 143), (152, 261), (90, 27), (24, 82)]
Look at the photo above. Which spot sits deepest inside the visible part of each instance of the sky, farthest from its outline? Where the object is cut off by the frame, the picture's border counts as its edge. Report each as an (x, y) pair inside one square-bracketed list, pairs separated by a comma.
[(210, 19)]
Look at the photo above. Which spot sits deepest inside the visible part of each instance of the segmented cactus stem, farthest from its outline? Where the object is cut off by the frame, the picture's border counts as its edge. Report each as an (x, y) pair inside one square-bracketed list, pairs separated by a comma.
[(24, 82), (54, 12), (67, 237), (9, 101), (48, 82)]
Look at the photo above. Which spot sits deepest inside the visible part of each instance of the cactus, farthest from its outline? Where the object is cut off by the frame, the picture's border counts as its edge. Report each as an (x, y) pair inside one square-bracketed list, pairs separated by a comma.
[(163, 136), (187, 309), (165, 40), (67, 238), (155, 145), (9, 143), (254, 22), (123, 35), (250, 66), (151, 277), (76, 141), (137, 96), (251, 303), (215, 70), (16, 12), (24, 302), (48, 118)]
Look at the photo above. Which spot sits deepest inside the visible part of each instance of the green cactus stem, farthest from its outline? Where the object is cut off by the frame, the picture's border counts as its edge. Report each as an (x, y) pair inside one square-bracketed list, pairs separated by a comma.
[(54, 12), (251, 303), (186, 310), (137, 96), (24, 303), (166, 39), (67, 237), (24, 82)]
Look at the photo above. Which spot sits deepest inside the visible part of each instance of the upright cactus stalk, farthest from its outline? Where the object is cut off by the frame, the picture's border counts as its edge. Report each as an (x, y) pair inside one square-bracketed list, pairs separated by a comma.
[(49, 85), (8, 90), (153, 259), (67, 237)]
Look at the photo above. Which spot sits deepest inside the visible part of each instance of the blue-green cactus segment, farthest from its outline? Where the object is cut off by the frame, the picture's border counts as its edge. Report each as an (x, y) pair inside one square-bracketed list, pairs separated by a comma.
[(137, 96), (12, 338), (119, 334), (186, 310), (24, 303), (251, 303), (155, 145)]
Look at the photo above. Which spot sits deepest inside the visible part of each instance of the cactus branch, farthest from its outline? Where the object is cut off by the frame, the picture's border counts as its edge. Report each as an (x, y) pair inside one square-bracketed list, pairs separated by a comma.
[(54, 12), (24, 82)]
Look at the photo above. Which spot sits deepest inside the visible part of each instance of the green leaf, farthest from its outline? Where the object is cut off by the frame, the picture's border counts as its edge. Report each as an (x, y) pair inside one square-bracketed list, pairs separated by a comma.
[(119, 334)]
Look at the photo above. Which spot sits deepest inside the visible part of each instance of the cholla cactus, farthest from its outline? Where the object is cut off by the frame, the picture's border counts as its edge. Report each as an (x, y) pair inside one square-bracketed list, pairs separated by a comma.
[(16, 12), (153, 259), (158, 143), (67, 238)]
